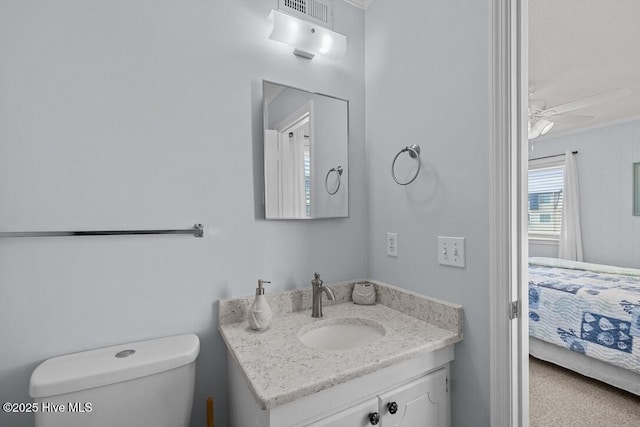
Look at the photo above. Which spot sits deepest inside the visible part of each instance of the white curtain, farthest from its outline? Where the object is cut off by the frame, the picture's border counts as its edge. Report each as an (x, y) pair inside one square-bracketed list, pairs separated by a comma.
[(570, 231), (271, 173), (293, 195)]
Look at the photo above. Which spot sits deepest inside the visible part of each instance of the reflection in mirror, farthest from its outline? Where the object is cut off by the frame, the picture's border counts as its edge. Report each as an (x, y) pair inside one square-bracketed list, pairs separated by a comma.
[(636, 189), (306, 169)]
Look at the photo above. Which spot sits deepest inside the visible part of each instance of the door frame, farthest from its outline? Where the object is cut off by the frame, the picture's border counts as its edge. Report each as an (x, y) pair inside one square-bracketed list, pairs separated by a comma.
[(508, 93)]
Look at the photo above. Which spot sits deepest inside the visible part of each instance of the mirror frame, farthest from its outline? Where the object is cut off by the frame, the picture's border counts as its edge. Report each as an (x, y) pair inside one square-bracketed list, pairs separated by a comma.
[(348, 174)]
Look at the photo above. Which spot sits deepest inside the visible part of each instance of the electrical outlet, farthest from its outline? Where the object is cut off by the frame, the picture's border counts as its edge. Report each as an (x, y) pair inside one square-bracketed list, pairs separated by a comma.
[(451, 251), (392, 244)]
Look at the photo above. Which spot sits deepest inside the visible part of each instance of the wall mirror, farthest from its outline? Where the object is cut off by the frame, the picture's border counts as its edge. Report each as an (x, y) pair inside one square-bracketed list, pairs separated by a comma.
[(306, 164), (636, 189)]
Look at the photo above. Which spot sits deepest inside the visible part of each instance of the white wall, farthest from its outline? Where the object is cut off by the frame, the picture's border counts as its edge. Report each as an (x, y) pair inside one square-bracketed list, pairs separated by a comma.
[(610, 232), (427, 83), (144, 114)]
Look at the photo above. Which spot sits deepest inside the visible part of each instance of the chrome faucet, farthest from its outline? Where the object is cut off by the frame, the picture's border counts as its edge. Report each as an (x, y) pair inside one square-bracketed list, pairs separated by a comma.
[(318, 289)]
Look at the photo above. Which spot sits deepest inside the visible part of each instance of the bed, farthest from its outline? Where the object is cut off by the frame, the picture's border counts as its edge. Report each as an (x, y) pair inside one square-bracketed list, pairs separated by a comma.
[(586, 317)]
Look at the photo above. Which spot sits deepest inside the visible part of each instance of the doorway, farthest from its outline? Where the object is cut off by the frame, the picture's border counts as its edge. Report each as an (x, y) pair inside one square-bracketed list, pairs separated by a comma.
[(581, 107)]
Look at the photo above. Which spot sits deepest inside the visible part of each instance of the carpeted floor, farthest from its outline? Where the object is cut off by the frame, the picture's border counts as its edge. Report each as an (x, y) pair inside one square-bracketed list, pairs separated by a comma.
[(559, 397)]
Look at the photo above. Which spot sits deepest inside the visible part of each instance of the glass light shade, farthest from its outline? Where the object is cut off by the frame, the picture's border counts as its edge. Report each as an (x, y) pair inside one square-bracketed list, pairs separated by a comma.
[(533, 131), (540, 127), (545, 126), (306, 36)]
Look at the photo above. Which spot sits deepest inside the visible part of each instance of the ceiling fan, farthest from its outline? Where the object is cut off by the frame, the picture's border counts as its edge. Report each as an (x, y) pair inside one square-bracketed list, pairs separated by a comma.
[(540, 117)]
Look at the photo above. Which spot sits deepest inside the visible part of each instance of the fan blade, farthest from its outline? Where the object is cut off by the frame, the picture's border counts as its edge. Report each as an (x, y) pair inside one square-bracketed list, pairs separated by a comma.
[(558, 116), (570, 119), (589, 101), (572, 116)]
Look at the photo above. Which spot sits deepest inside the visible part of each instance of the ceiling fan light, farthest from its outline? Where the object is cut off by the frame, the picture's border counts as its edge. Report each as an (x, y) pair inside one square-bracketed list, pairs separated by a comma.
[(533, 133), (545, 125), (532, 130), (539, 127)]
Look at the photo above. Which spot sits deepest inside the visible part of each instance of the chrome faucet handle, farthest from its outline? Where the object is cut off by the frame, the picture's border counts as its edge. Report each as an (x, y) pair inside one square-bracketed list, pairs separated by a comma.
[(317, 281)]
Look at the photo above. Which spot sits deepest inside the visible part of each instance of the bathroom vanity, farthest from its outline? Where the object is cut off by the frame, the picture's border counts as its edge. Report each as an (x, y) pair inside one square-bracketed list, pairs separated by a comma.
[(359, 365)]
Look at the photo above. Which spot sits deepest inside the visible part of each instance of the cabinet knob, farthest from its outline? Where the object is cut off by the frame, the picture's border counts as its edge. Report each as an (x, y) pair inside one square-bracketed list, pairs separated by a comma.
[(374, 418), (393, 407)]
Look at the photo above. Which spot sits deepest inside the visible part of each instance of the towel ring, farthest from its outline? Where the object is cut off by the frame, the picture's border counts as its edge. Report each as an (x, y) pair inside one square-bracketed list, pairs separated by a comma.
[(414, 153), (337, 170)]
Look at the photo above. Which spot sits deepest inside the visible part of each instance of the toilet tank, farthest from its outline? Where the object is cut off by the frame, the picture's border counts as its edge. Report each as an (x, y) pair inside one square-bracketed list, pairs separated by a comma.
[(146, 383)]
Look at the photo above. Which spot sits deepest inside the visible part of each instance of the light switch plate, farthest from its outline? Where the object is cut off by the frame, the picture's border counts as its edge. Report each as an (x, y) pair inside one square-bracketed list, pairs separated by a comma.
[(392, 244), (451, 251)]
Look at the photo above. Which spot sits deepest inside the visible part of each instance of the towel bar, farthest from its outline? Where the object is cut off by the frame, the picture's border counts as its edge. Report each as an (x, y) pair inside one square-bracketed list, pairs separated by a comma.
[(197, 231)]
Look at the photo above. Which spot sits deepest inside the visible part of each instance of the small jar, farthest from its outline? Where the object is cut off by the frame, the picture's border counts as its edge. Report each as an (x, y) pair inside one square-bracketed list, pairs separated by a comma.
[(364, 294)]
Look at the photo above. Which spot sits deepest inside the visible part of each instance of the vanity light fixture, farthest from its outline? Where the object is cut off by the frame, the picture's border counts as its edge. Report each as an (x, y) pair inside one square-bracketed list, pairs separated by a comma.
[(307, 39)]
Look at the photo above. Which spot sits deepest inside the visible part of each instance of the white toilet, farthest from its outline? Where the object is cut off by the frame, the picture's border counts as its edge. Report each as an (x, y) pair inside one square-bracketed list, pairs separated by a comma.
[(146, 383)]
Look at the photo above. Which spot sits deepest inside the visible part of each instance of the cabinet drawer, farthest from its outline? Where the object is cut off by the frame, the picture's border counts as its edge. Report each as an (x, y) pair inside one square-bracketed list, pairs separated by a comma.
[(355, 416)]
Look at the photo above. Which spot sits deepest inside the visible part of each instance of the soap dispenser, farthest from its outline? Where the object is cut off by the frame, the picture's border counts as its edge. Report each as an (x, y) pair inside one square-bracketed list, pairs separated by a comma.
[(260, 314)]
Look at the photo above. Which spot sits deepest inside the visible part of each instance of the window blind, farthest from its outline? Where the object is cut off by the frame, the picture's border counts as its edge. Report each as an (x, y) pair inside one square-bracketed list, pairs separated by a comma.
[(307, 180), (545, 200)]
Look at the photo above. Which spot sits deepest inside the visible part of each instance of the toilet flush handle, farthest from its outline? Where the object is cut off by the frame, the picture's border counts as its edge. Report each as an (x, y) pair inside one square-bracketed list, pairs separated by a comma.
[(125, 353)]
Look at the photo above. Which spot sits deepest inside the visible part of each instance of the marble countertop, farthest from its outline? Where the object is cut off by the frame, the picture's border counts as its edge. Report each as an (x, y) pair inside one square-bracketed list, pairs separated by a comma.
[(280, 369)]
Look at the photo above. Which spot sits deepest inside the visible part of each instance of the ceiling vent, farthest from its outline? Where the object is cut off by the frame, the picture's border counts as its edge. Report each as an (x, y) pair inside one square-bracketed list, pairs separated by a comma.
[(316, 11)]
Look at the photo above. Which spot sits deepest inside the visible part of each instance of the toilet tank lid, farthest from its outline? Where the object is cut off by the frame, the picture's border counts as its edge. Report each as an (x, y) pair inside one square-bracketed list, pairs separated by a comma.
[(100, 367)]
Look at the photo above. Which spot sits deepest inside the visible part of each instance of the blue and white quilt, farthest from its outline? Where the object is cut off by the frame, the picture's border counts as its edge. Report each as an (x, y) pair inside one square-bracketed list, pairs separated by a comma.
[(588, 308)]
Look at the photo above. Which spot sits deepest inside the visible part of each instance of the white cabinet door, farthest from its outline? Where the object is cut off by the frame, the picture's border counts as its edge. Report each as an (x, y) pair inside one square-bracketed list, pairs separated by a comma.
[(420, 403), (355, 416)]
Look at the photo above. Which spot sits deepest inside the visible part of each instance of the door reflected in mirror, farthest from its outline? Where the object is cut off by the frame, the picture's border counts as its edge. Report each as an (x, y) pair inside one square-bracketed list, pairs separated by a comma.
[(636, 189), (306, 170)]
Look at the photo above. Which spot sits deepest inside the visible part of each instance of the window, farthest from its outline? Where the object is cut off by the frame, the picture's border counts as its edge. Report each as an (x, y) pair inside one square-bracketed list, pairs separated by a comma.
[(545, 198), (307, 177), (546, 180)]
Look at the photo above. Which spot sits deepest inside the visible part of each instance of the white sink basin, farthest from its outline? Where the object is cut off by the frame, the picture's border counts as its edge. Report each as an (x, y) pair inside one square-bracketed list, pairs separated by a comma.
[(341, 334)]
